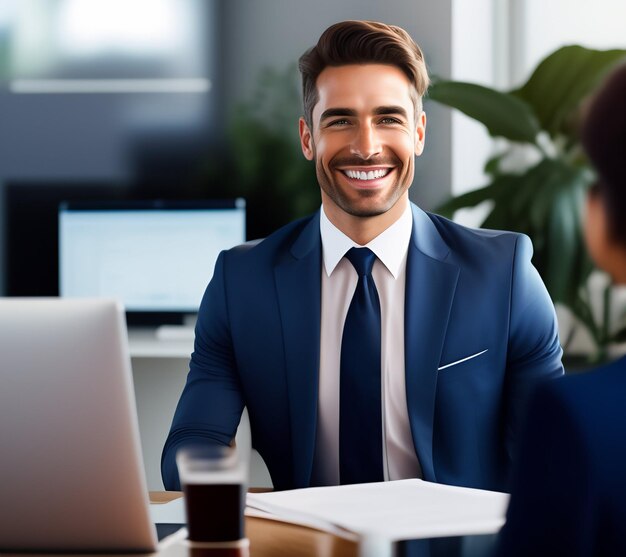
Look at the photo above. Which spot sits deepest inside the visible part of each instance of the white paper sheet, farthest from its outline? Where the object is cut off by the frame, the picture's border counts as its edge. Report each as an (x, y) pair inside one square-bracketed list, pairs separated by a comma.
[(400, 510), (172, 512), (309, 521)]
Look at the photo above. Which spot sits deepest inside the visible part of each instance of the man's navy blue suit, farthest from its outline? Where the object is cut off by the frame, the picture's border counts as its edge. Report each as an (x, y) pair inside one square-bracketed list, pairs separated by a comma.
[(569, 489), (468, 292)]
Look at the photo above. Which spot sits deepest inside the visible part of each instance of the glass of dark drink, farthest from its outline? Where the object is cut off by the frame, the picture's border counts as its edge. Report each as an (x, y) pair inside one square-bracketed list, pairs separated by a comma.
[(214, 480)]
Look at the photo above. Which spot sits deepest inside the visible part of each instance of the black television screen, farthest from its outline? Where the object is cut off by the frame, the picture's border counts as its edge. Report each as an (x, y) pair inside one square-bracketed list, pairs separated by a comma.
[(31, 231)]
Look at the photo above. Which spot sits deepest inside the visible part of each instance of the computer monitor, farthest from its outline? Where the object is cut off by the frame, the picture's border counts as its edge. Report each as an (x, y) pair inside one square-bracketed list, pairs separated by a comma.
[(155, 257)]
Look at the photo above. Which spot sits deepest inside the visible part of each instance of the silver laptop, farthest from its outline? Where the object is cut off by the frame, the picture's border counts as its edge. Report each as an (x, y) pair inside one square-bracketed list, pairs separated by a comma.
[(71, 471)]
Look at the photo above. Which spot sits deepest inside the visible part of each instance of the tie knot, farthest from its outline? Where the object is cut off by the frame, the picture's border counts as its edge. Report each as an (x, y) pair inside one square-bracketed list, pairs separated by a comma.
[(362, 260)]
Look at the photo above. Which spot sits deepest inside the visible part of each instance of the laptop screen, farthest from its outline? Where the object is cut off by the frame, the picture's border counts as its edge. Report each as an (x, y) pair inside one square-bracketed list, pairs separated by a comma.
[(71, 472), (152, 256)]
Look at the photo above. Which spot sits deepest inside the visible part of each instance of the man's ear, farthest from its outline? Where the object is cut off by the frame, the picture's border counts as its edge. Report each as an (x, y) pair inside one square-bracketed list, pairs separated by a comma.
[(306, 140), (420, 134)]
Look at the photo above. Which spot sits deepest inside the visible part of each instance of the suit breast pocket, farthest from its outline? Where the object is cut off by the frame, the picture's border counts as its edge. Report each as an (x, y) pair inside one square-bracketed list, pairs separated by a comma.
[(466, 359), (468, 384)]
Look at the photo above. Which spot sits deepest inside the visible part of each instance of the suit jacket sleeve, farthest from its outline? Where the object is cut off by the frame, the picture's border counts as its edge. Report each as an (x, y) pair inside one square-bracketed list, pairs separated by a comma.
[(551, 511), (211, 404), (534, 351)]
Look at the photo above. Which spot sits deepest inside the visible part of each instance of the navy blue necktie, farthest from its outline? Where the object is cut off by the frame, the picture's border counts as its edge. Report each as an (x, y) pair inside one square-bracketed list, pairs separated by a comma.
[(360, 424)]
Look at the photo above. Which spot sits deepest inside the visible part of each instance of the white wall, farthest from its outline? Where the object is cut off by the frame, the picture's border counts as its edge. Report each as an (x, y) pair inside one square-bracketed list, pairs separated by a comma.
[(474, 50), (546, 25)]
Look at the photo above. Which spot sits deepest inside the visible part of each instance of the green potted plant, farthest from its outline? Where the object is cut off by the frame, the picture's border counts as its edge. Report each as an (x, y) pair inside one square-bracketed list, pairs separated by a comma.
[(261, 159), (544, 198)]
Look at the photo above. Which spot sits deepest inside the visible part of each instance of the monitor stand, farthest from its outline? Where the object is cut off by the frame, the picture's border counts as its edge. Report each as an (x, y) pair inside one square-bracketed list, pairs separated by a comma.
[(185, 331)]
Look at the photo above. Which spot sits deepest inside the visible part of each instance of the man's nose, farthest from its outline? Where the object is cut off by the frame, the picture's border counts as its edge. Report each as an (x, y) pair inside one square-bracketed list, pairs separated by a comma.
[(365, 143)]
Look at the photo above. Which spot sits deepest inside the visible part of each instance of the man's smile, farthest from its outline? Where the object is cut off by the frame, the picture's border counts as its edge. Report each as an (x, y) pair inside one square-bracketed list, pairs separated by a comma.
[(367, 176)]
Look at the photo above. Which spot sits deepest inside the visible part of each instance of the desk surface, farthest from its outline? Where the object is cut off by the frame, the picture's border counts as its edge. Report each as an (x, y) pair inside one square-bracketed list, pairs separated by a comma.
[(270, 538)]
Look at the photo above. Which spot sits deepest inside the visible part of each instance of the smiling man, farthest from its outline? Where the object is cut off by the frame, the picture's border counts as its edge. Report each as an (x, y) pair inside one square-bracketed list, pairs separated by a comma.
[(371, 341), (364, 141)]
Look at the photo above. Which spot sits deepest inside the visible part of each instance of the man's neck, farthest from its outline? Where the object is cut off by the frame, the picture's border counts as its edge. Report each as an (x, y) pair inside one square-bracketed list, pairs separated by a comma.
[(364, 229)]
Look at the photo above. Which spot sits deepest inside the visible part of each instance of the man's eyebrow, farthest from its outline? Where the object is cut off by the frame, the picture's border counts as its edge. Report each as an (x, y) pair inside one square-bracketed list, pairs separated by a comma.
[(379, 111), (332, 112), (382, 110)]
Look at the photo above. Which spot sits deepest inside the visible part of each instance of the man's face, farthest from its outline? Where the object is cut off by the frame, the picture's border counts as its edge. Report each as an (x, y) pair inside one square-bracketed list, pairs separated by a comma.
[(364, 138)]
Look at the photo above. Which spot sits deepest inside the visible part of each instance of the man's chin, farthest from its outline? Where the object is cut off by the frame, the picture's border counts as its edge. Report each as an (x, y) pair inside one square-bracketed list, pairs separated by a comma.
[(363, 204), (365, 213), (367, 208)]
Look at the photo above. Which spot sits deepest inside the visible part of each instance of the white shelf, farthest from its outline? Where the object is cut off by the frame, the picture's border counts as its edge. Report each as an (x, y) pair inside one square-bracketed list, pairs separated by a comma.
[(145, 344)]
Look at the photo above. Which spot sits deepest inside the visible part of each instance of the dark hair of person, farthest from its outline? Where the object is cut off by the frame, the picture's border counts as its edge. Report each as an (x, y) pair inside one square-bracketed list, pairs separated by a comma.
[(362, 42), (604, 139)]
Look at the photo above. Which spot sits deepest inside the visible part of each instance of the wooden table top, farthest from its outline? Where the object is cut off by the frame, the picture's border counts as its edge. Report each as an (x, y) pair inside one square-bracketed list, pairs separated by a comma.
[(268, 538)]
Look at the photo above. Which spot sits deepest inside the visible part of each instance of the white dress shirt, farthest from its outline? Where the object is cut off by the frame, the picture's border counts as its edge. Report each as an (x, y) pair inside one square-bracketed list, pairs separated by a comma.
[(339, 280)]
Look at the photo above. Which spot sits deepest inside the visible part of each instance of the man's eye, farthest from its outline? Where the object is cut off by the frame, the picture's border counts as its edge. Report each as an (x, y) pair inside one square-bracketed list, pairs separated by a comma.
[(389, 120), (340, 122)]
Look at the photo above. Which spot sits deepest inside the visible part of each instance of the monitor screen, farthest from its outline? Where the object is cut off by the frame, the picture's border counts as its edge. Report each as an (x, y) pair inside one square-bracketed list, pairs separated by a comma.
[(152, 256)]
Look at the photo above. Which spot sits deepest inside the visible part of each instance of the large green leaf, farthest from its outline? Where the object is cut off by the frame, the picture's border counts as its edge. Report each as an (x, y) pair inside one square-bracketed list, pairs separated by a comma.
[(544, 203), (619, 336), (564, 244), (503, 114), (562, 80), (469, 199), (520, 195)]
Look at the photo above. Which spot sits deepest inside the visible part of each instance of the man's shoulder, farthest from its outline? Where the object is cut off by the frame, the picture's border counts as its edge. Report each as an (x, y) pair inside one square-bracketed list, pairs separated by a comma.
[(493, 247), (277, 244), (461, 233)]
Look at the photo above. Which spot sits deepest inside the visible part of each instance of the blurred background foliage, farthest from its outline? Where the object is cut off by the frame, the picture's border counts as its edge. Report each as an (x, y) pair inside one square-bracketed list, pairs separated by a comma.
[(542, 192), (262, 160)]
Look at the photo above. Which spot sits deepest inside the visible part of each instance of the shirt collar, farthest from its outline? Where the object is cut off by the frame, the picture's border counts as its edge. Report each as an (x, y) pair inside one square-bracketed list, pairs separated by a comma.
[(390, 246)]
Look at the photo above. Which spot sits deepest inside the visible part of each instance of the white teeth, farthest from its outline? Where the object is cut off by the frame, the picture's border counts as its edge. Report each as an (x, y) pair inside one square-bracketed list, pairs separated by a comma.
[(371, 175)]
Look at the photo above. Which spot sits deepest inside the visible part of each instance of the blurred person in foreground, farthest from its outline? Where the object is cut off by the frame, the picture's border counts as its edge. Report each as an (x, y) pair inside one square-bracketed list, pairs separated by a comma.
[(569, 490), (370, 341)]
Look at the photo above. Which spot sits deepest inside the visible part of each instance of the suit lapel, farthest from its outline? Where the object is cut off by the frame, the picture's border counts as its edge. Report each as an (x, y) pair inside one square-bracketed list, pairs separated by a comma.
[(298, 286), (430, 287)]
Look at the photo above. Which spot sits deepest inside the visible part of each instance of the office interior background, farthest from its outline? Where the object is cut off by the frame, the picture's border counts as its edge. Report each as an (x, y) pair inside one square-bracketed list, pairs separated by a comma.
[(156, 99)]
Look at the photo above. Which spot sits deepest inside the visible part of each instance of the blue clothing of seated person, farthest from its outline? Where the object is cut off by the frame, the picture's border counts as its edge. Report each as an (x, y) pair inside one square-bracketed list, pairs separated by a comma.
[(569, 490)]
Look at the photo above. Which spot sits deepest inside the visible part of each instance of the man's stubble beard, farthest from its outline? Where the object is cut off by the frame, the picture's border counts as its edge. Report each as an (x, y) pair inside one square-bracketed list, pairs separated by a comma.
[(334, 192)]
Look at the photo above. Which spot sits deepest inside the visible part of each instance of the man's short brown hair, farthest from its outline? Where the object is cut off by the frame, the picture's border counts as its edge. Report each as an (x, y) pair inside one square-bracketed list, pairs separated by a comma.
[(362, 42)]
